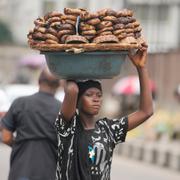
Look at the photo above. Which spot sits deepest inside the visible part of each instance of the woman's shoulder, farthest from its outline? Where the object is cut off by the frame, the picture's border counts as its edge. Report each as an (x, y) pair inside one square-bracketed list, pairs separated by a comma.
[(103, 121), (109, 121)]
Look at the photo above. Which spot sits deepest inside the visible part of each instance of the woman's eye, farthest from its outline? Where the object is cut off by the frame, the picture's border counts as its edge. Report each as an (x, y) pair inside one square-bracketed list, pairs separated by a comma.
[(88, 94), (99, 95)]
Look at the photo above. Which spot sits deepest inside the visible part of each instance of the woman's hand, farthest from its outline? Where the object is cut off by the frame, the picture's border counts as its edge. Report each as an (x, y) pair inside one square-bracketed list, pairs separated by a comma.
[(71, 87), (140, 57), (145, 106)]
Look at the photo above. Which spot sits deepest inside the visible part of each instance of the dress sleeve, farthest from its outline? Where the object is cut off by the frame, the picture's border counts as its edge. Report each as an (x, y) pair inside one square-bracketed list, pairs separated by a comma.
[(118, 129), (64, 128)]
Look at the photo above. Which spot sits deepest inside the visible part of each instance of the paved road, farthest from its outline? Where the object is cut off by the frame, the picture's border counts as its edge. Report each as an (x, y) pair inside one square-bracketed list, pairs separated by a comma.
[(122, 168), (4, 161), (128, 169)]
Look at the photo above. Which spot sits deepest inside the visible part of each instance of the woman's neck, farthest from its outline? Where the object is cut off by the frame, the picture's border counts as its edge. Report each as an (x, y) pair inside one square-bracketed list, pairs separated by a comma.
[(87, 121)]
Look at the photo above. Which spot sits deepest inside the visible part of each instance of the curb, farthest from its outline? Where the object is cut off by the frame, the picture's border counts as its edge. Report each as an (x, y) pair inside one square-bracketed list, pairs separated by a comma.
[(164, 154)]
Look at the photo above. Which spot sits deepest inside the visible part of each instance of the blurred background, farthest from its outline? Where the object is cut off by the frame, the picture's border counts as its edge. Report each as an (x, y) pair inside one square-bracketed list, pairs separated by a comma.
[(156, 142)]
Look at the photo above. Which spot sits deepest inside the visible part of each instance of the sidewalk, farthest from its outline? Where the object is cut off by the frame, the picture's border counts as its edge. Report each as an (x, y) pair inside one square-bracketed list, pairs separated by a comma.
[(164, 154), (122, 168), (4, 161)]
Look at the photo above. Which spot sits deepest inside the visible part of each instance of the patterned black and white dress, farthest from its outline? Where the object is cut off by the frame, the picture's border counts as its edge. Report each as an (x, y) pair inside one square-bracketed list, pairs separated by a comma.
[(87, 154)]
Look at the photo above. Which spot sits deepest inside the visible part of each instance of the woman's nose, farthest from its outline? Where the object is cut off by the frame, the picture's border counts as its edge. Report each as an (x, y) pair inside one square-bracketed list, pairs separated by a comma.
[(96, 99)]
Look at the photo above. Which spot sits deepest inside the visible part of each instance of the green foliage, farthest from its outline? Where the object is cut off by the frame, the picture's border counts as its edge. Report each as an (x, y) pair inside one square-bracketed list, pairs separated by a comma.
[(5, 34)]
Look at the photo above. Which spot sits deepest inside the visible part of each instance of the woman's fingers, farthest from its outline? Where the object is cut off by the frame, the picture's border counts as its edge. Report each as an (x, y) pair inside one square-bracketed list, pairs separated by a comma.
[(130, 55), (132, 52), (139, 58), (144, 46), (143, 49)]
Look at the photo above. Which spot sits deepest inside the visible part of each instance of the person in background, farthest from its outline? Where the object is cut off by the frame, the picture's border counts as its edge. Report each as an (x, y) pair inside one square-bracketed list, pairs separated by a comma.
[(4, 106), (177, 94), (175, 118), (34, 148), (86, 145)]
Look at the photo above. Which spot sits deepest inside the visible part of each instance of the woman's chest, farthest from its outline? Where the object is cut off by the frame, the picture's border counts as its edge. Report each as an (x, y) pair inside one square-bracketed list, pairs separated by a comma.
[(95, 146)]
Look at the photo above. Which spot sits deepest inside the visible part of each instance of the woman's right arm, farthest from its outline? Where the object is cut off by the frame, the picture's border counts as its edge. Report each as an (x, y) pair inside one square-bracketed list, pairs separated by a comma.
[(69, 104)]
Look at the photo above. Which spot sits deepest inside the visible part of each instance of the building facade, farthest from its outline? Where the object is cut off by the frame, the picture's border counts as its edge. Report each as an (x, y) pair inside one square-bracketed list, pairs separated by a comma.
[(160, 22)]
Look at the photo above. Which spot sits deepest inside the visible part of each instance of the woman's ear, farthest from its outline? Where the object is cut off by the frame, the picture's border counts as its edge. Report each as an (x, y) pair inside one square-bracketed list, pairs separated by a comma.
[(79, 103), (77, 106)]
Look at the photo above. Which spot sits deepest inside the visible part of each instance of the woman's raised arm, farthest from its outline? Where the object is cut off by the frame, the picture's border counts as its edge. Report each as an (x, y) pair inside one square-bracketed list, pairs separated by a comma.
[(145, 106), (68, 108)]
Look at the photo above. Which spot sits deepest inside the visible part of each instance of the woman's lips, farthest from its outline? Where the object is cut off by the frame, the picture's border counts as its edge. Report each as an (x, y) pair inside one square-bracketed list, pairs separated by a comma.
[(96, 106)]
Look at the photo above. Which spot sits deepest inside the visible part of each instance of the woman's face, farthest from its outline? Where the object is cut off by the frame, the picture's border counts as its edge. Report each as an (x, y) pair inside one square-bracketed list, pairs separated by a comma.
[(90, 102)]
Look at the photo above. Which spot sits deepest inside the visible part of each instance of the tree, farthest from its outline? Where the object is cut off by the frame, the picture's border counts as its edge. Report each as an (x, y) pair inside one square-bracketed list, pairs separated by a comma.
[(5, 34)]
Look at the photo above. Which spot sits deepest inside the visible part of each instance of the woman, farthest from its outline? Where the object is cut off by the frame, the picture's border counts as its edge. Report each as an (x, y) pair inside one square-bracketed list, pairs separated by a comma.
[(85, 144)]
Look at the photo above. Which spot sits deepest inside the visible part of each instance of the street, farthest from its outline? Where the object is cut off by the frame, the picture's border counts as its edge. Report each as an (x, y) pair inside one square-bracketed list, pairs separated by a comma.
[(121, 169), (128, 169)]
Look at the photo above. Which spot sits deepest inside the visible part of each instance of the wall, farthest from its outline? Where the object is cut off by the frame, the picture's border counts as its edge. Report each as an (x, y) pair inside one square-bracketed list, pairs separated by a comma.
[(164, 71), (9, 58)]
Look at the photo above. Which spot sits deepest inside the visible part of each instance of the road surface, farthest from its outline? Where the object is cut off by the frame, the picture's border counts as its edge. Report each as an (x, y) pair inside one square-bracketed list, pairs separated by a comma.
[(122, 168)]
